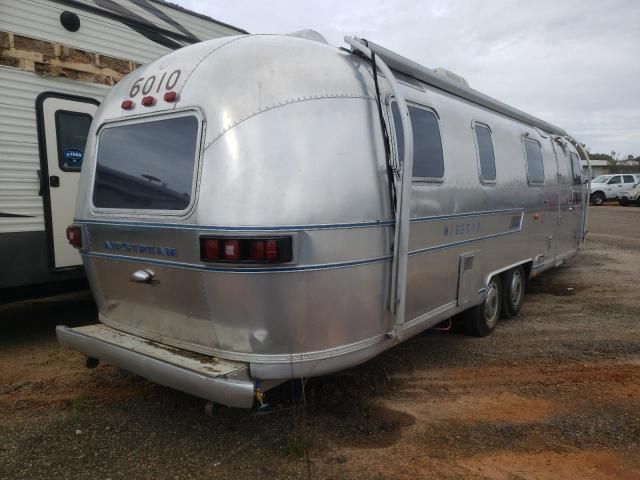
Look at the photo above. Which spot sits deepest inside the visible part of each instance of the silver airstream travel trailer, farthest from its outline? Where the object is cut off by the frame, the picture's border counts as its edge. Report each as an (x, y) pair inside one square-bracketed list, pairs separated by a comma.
[(264, 207), (58, 59)]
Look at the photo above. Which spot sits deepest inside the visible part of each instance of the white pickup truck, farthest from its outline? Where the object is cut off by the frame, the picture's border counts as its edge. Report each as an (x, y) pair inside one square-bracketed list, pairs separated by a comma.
[(608, 187)]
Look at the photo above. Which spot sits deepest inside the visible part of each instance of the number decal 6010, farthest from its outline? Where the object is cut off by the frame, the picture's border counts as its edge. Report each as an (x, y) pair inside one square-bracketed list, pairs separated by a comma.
[(146, 84)]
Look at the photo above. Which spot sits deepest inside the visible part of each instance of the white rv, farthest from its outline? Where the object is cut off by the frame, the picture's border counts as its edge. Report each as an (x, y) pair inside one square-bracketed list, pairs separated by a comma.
[(265, 207), (58, 59)]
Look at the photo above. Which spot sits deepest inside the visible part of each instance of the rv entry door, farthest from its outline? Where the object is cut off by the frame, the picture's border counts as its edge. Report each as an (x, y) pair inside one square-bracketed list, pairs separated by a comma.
[(63, 126)]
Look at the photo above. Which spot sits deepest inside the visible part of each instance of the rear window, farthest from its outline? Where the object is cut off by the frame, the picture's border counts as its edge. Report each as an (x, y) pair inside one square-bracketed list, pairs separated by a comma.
[(147, 166)]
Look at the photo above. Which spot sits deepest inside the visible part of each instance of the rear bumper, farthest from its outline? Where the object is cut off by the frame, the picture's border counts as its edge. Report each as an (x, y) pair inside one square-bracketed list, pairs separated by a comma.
[(217, 380)]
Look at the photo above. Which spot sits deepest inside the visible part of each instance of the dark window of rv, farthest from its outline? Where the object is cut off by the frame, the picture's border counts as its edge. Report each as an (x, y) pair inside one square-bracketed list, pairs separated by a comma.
[(72, 129), (576, 169), (485, 153), (535, 165), (428, 159), (147, 166)]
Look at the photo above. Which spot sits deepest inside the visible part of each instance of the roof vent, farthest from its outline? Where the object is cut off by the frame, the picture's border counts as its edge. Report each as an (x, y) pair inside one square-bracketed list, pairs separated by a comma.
[(451, 76), (309, 34)]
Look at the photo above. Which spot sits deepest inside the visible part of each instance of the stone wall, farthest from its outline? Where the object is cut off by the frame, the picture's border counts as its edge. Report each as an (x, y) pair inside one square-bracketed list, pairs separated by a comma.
[(55, 60)]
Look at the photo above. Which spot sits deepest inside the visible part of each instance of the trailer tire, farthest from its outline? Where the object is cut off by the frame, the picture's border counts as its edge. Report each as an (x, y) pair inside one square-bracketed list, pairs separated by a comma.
[(598, 199), (482, 319), (513, 283)]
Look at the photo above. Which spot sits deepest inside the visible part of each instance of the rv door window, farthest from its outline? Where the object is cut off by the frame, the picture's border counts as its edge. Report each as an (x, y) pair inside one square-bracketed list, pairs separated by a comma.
[(428, 158), (485, 153), (148, 165), (72, 129), (535, 164), (576, 168)]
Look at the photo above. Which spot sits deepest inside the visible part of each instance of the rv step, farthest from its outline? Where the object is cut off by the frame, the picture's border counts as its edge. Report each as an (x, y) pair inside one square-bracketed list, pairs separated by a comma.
[(211, 378)]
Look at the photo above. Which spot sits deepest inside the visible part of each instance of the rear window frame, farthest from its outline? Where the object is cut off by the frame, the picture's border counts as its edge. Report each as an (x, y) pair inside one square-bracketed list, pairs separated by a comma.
[(197, 164)]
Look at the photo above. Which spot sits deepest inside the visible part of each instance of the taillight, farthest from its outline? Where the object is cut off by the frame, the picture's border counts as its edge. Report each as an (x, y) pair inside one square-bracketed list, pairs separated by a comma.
[(74, 235), (246, 250), (210, 249), (231, 250)]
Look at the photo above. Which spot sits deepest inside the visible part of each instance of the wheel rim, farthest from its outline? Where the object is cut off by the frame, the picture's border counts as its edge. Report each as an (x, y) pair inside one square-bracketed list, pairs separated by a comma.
[(598, 200), (491, 305), (516, 288)]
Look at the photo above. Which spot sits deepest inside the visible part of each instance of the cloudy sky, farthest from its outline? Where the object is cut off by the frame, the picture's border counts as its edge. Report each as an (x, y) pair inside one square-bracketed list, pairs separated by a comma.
[(574, 63)]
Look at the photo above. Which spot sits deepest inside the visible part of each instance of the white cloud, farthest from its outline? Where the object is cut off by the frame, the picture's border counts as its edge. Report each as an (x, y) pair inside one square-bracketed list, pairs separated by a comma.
[(574, 63)]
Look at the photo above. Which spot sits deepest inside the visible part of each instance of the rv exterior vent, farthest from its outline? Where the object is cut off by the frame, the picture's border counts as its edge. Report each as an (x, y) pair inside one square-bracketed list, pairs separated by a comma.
[(309, 34), (451, 76)]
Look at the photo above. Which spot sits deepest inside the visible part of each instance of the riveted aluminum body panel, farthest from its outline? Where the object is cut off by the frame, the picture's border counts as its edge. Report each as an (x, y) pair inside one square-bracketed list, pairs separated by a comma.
[(292, 145)]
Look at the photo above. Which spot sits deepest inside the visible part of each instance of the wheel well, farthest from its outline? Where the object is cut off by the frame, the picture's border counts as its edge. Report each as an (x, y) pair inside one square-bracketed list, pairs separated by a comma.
[(527, 266), (527, 269), (598, 191)]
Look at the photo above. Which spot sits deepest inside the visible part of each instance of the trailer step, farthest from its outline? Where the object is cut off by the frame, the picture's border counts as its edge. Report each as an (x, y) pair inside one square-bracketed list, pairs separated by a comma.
[(215, 379)]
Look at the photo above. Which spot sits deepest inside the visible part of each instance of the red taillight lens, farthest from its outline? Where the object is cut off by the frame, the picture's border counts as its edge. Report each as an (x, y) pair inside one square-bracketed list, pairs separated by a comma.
[(170, 96), (74, 235), (256, 250), (210, 248), (246, 250), (126, 104), (148, 101), (272, 250)]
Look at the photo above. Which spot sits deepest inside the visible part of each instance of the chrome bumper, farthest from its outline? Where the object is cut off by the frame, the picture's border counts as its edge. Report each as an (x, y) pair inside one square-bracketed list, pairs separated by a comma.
[(214, 379)]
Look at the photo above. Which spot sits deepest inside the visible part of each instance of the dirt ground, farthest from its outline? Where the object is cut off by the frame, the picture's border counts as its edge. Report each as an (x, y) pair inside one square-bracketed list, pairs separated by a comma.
[(554, 393)]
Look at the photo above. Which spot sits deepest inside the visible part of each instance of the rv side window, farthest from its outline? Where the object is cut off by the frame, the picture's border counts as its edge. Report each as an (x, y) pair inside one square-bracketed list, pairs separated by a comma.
[(535, 164), (428, 158), (148, 165), (485, 153), (72, 129), (576, 167)]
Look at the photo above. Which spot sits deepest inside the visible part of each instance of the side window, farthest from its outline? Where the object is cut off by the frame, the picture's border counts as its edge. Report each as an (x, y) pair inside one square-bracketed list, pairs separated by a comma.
[(72, 129), (576, 169), (614, 180), (428, 158), (628, 179), (535, 164), (485, 153)]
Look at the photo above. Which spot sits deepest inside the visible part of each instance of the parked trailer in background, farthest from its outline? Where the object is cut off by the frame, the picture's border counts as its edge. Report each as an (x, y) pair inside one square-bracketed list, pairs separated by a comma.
[(58, 59), (273, 207)]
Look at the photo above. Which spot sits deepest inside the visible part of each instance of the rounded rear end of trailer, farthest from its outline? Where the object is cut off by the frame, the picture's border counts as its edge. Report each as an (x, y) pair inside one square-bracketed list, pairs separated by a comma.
[(235, 205)]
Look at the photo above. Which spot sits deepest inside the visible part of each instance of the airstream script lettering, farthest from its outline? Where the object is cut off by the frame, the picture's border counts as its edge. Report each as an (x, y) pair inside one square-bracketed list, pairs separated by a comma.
[(461, 229), (139, 248)]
